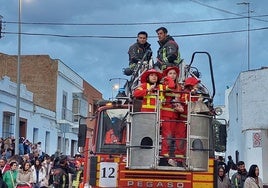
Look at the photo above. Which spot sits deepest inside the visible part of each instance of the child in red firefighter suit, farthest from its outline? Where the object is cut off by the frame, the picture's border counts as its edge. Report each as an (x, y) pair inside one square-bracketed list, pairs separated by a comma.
[(170, 113), (190, 88), (189, 94), (150, 85)]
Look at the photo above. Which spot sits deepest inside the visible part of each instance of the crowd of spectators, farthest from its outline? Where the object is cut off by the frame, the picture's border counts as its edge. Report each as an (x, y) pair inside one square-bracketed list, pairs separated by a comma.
[(34, 168), (233, 175)]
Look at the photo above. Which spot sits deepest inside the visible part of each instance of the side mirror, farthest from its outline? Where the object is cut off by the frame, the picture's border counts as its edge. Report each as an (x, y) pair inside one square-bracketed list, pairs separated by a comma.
[(82, 132), (220, 133)]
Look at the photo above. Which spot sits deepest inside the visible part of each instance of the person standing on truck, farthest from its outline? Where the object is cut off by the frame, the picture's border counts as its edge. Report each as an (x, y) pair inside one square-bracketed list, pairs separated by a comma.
[(170, 113), (139, 51), (148, 89), (190, 87), (168, 53), (191, 96)]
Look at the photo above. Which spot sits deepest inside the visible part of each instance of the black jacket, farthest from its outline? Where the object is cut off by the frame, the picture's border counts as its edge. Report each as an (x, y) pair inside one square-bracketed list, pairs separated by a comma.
[(137, 51)]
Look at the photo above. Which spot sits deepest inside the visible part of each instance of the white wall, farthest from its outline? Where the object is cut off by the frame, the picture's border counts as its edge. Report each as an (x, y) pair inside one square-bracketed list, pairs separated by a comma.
[(253, 155), (248, 115), (36, 117), (234, 131), (69, 82), (254, 88)]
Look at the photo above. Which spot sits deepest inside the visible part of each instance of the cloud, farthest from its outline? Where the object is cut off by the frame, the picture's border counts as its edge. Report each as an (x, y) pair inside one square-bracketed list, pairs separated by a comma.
[(99, 59)]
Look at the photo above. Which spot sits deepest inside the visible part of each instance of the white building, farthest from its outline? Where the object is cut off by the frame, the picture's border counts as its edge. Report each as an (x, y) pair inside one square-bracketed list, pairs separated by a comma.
[(69, 99), (247, 133), (55, 98), (38, 124)]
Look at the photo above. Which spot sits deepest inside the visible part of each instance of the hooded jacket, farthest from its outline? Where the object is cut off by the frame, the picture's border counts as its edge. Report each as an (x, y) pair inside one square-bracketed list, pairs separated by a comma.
[(137, 51), (168, 52)]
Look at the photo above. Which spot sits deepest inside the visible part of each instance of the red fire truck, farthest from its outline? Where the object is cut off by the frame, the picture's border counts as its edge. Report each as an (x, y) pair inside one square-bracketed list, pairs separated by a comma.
[(124, 148)]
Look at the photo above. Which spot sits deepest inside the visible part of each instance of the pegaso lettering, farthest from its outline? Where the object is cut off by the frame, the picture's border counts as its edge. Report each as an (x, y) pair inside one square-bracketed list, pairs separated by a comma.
[(155, 184)]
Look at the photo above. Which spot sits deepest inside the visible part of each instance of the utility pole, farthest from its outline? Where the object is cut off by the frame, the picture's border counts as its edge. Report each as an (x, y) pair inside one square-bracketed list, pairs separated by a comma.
[(248, 30), (17, 127), (1, 26)]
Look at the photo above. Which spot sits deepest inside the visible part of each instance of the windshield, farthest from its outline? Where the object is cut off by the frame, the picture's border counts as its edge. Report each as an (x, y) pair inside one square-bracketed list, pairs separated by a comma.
[(112, 131)]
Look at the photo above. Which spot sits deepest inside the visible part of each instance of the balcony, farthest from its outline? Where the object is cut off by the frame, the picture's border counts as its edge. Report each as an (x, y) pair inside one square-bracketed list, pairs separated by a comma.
[(68, 118), (67, 115), (80, 106), (79, 109)]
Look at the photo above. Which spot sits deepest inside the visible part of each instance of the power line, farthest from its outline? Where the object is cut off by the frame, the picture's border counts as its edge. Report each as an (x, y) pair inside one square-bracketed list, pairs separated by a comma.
[(130, 37), (124, 24), (215, 8), (133, 24), (225, 11)]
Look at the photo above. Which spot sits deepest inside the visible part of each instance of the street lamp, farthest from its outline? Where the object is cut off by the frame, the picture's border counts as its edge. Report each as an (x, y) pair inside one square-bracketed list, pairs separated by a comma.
[(248, 5), (116, 86), (17, 127)]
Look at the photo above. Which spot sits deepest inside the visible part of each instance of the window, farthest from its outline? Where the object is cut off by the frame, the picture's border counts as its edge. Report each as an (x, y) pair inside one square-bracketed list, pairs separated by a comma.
[(66, 146), (47, 142), (80, 107), (89, 108), (35, 135), (64, 105), (59, 143), (8, 124), (73, 147), (237, 106), (112, 131), (76, 106)]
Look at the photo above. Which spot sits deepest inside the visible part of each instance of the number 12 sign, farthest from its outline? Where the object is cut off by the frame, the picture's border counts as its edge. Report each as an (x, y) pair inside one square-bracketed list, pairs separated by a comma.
[(108, 174)]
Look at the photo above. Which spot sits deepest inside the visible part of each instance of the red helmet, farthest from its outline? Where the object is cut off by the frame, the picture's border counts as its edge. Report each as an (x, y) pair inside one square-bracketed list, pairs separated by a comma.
[(165, 72), (191, 81), (145, 75)]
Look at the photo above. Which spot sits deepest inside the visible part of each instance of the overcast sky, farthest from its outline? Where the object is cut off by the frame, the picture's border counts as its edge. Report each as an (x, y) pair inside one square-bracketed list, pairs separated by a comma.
[(93, 36)]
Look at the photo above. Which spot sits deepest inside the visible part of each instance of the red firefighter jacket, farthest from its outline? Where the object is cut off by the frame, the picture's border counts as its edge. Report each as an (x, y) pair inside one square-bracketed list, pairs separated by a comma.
[(171, 96), (149, 97)]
